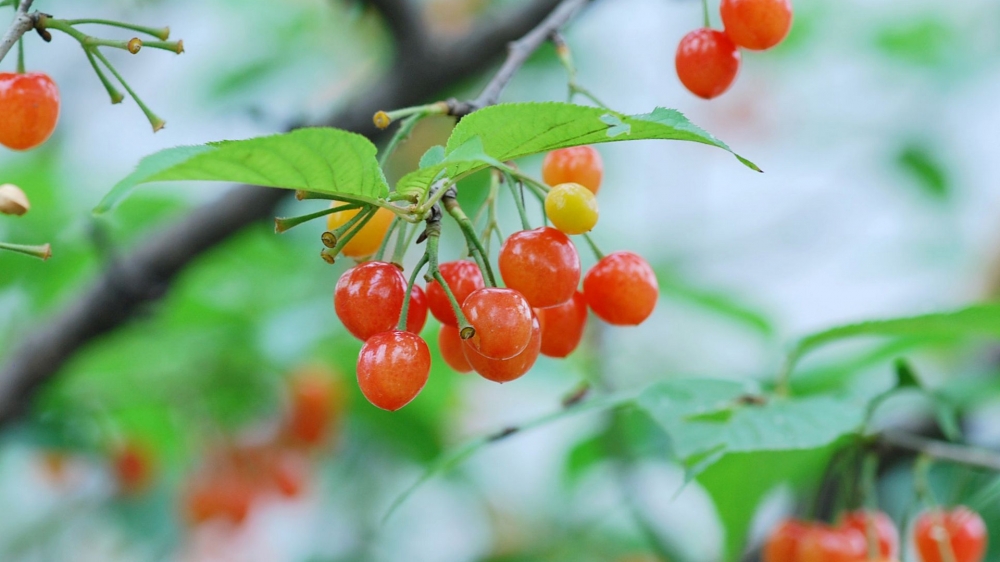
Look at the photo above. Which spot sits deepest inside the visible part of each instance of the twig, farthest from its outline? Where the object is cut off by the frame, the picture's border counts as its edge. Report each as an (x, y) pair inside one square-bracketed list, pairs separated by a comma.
[(23, 23), (960, 454)]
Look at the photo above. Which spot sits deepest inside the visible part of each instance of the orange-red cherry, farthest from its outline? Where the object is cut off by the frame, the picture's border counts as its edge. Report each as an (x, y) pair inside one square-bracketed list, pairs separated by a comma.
[(463, 277), (542, 264), (822, 543), (707, 62), (314, 401), (450, 343), (562, 326), (29, 104), (506, 370), (783, 543), (369, 299), (756, 24), (884, 530), (393, 368), (133, 465), (961, 530), (576, 164), (502, 319), (621, 289)]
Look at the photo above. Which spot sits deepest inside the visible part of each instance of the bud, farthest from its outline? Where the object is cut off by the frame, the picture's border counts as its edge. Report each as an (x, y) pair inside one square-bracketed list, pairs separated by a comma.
[(134, 44), (382, 119), (13, 201), (327, 257), (329, 239)]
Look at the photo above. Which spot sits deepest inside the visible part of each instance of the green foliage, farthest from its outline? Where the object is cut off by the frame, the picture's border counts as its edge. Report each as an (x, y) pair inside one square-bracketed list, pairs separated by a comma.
[(926, 169)]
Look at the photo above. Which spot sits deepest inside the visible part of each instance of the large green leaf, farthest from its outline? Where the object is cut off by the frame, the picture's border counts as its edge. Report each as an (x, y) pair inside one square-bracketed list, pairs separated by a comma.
[(322, 160), (706, 419), (514, 130)]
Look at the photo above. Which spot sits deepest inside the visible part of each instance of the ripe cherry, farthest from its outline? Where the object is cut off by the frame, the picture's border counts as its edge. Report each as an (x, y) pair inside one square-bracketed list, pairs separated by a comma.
[(450, 342), (877, 522), (621, 289), (369, 300), (961, 530), (541, 264), (314, 403), (783, 543), (502, 319), (133, 466), (463, 277), (756, 24), (506, 370), (576, 164), (562, 326), (367, 241), (288, 472), (393, 368), (572, 208), (821, 543), (29, 104), (707, 62), (224, 493)]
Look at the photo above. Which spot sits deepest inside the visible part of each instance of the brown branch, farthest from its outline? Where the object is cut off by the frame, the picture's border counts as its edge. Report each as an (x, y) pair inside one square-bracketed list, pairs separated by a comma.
[(132, 283), (23, 23)]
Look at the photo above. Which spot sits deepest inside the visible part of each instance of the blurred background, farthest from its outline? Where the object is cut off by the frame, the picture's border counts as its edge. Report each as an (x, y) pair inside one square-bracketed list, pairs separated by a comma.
[(875, 123)]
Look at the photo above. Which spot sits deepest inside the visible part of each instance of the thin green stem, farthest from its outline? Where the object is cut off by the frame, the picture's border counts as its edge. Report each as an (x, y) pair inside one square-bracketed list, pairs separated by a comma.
[(452, 207), (281, 224), (431, 108), (424, 207), (336, 238), (403, 133), (20, 55), (465, 329), (593, 247), (385, 239), (154, 121), (162, 33), (578, 89), (113, 93), (42, 252), (176, 47), (5, 3), (519, 202), (403, 240), (704, 6), (401, 325)]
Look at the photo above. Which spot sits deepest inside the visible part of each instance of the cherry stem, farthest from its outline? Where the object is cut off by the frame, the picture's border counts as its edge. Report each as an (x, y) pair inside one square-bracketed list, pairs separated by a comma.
[(869, 474), (42, 252), (519, 202), (338, 238), (566, 58), (593, 247), (403, 133), (154, 120), (281, 224), (162, 33), (403, 241), (401, 325), (440, 108), (113, 93), (451, 205), (704, 7), (465, 329), (385, 240)]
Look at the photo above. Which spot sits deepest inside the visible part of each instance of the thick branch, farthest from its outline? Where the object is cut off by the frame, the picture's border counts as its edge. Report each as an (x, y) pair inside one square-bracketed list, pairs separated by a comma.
[(129, 285), (23, 23), (960, 454)]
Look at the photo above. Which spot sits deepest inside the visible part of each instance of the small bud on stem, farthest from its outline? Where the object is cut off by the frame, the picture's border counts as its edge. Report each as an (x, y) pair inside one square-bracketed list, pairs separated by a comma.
[(134, 45)]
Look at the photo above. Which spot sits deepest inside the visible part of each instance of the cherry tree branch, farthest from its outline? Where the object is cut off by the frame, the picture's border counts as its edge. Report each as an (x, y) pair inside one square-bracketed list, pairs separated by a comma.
[(940, 450), (23, 23), (131, 284)]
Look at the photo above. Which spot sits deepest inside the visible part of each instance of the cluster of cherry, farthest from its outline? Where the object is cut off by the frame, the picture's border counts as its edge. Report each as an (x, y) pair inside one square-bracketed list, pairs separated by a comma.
[(498, 332)]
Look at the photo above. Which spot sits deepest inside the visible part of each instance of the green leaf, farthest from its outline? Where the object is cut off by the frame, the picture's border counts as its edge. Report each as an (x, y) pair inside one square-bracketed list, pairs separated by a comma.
[(514, 130), (926, 169), (321, 160), (707, 418)]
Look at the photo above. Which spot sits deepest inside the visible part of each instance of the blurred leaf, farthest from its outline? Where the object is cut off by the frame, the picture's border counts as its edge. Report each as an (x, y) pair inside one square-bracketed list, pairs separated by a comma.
[(672, 286), (920, 42), (322, 160), (925, 169)]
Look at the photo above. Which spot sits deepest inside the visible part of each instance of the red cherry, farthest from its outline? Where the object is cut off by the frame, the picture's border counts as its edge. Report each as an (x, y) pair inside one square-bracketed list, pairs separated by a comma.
[(756, 24), (502, 319), (133, 466), (393, 368), (961, 529), (450, 342), (463, 277), (29, 104), (783, 544), (369, 300), (821, 543), (314, 402), (506, 370), (707, 62), (576, 164), (541, 264), (225, 494), (621, 289), (562, 326), (885, 532), (288, 473)]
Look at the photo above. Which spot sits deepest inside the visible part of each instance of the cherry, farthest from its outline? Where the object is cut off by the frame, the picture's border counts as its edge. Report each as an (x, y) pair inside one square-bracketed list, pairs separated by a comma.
[(369, 299), (367, 240), (541, 264), (707, 62), (961, 530), (502, 319), (224, 493), (576, 164), (288, 472), (562, 326), (314, 404), (572, 208), (450, 342), (621, 289), (756, 24), (783, 543), (821, 543), (393, 368), (885, 530), (506, 370), (29, 104), (463, 277), (133, 466)]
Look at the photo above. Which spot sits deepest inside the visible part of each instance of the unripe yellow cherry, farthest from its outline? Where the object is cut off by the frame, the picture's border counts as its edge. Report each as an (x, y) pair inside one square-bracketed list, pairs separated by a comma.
[(369, 238), (572, 208)]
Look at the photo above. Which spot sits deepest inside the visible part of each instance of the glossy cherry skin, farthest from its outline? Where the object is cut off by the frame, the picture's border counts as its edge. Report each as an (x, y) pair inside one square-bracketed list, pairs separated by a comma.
[(756, 24), (783, 543), (707, 62), (502, 319), (576, 164), (506, 370), (314, 401), (29, 104), (961, 529), (367, 241), (369, 299), (542, 264), (885, 530), (393, 368), (463, 277), (133, 467), (452, 349), (571, 208), (563, 325), (821, 543), (621, 289)]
